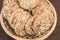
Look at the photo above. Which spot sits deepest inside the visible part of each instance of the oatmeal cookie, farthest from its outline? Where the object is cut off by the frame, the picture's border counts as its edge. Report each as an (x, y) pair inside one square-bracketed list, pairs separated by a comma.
[(19, 18), (27, 4), (43, 23), (29, 25)]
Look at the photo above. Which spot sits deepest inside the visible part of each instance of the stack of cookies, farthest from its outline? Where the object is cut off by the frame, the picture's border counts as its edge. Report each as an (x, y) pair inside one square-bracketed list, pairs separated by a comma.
[(29, 19)]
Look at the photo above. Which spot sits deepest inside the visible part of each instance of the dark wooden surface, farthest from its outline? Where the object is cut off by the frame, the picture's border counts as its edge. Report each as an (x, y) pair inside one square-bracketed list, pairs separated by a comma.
[(54, 36)]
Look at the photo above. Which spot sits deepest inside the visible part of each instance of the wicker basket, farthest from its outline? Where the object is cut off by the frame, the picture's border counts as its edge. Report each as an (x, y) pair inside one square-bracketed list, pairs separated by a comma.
[(6, 29)]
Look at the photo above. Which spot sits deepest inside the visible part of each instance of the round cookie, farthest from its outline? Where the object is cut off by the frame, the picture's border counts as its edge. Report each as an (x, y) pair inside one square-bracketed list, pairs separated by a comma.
[(29, 25), (27, 4), (43, 22), (19, 18)]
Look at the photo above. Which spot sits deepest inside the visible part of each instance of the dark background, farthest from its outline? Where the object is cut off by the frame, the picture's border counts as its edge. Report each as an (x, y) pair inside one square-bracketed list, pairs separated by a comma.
[(54, 36)]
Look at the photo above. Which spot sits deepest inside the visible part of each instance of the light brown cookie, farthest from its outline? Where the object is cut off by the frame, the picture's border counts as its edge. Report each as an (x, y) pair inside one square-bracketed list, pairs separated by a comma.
[(29, 25), (19, 18), (43, 22), (27, 4)]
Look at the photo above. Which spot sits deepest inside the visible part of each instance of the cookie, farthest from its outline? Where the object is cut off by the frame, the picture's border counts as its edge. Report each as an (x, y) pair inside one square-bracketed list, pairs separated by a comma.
[(28, 4)]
